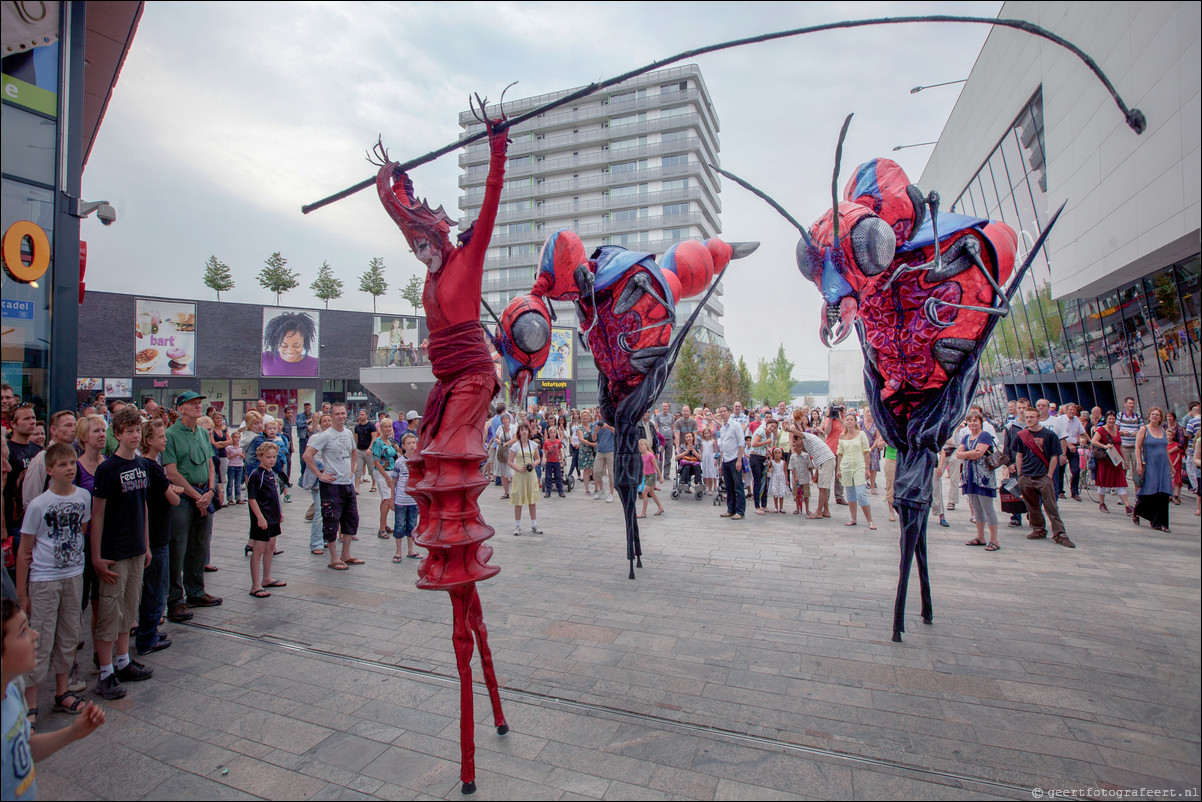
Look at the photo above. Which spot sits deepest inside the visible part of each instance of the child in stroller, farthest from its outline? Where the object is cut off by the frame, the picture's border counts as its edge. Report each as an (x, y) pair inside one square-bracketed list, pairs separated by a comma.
[(688, 468)]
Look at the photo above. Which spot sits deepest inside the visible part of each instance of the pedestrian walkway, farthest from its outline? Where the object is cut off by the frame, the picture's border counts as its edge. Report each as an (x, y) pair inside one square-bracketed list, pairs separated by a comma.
[(749, 660)]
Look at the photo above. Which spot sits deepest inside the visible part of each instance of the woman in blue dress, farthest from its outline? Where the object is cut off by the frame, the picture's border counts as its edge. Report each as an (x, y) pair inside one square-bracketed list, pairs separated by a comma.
[(1152, 463)]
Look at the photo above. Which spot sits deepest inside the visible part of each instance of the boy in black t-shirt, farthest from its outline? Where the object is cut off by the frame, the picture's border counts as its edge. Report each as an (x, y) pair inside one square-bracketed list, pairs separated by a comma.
[(160, 498), (120, 553), (265, 520)]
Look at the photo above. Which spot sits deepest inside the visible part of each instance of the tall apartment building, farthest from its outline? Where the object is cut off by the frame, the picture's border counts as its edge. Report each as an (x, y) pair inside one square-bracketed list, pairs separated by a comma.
[(625, 166)]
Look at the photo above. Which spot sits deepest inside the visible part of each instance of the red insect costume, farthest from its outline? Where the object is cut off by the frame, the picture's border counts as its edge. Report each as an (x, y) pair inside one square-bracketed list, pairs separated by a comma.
[(445, 477)]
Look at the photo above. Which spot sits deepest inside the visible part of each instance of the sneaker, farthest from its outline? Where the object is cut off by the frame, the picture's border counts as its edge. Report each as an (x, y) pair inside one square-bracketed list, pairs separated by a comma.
[(287, 499), (76, 683), (610, 499), (736, 517), (204, 601), (178, 614), (134, 672), (1064, 541), (1037, 535), (535, 530), (561, 495), (517, 530), (110, 688)]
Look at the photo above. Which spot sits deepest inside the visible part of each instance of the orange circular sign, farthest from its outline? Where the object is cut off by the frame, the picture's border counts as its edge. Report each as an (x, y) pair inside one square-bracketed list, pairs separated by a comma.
[(39, 249)]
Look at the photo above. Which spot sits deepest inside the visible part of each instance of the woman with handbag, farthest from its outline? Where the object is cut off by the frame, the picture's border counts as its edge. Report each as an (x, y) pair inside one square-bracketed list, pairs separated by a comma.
[(1112, 478), (979, 484)]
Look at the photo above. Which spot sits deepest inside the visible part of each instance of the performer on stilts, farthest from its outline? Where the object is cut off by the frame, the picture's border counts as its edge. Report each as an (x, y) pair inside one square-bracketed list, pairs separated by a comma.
[(445, 477)]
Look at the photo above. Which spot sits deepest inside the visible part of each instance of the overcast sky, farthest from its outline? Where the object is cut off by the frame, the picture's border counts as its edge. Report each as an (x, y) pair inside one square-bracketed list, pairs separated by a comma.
[(228, 117)]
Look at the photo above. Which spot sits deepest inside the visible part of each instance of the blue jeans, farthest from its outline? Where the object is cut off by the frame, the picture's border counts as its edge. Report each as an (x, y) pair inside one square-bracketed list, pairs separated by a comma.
[(736, 497), (316, 541), (233, 484), (154, 599), (406, 520)]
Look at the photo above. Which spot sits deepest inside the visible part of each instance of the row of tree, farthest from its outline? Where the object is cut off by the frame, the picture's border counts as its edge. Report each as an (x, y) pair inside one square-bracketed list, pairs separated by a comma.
[(279, 278), (706, 373)]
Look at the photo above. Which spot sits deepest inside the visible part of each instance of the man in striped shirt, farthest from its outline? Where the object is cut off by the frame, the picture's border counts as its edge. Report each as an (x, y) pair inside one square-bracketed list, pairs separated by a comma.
[(1129, 422)]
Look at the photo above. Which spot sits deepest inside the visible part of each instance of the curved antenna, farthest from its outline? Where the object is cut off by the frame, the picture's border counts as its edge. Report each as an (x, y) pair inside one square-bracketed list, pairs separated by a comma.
[(767, 199), (835, 178), (1134, 117)]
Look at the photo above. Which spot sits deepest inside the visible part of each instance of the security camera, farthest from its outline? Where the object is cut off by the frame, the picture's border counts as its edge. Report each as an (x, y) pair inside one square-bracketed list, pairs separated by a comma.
[(103, 209)]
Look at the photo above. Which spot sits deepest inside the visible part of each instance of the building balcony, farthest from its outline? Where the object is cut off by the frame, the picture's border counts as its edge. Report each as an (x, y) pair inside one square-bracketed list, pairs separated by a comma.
[(557, 210), (538, 232)]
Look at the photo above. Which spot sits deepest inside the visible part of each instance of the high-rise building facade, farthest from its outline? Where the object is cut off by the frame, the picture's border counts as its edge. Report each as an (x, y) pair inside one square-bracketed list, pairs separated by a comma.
[(625, 166)]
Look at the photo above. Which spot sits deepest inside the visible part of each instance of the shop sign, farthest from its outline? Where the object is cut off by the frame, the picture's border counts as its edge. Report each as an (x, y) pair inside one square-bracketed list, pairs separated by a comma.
[(19, 310), (160, 382), (553, 385), (39, 251)]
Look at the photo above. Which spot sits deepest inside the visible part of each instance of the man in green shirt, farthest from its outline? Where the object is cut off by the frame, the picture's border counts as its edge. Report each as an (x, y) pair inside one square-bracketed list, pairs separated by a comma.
[(188, 462)]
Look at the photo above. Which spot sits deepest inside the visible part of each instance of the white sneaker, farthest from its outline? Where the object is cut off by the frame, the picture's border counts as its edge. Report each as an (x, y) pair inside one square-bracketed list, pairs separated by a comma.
[(517, 530), (610, 499), (535, 530)]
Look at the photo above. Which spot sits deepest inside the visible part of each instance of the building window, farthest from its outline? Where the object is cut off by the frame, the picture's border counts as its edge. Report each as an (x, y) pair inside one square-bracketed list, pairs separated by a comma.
[(679, 159), (675, 185), (675, 209), (674, 136)]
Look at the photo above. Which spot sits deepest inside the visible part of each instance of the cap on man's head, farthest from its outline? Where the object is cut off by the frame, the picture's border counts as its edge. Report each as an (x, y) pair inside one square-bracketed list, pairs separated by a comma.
[(190, 395), (412, 415)]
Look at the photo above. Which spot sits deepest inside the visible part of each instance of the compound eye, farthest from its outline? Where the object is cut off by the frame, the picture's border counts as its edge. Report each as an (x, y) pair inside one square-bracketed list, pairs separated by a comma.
[(804, 263), (531, 333), (873, 244)]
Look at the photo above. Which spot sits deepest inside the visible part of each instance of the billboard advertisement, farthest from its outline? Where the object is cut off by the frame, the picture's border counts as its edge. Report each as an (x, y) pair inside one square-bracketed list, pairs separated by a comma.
[(560, 357), (395, 341), (164, 338), (290, 343)]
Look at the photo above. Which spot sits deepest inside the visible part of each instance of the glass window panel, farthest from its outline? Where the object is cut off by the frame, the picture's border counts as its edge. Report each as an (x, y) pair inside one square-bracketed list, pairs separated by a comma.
[(32, 138), (990, 191), (1186, 275), (25, 346)]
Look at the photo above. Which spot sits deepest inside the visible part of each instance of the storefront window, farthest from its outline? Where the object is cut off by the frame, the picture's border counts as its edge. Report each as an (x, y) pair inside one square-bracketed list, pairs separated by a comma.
[(25, 346)]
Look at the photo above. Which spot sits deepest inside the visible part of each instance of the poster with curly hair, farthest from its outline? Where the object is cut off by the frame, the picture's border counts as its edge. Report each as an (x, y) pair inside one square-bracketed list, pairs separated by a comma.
[(290, 343)]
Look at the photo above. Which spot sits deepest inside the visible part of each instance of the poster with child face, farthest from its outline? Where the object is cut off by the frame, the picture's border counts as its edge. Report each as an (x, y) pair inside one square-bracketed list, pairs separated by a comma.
[(559, 358), (290, 344)]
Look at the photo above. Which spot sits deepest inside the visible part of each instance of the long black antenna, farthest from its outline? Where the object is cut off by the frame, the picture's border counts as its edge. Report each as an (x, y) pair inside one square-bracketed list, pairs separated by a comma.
[(767, 199), (1135, 118), (835, 178)]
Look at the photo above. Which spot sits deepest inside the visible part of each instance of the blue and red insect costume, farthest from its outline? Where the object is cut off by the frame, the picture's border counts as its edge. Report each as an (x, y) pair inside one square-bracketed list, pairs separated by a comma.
[(626, 304), (924, 292)]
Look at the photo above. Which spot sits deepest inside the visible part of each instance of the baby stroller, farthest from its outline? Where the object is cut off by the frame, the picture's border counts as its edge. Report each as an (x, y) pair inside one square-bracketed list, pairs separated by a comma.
[(693, 484)]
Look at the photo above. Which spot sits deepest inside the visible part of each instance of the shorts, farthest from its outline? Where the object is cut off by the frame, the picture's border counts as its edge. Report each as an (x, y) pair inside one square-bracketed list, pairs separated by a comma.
[(263, 535), (802, 492), (406, 520), (826, 475), (381, 481), (856, 494), (603, 463), (339, 511), (118, 608), (54, 615)]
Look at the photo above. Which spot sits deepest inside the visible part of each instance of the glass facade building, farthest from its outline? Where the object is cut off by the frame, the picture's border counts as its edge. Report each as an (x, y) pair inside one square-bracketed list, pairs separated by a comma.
[(1141, 340)]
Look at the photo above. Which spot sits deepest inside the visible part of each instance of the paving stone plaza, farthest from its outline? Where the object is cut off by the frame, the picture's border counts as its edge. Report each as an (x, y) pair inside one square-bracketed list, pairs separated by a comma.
[(749, 660)]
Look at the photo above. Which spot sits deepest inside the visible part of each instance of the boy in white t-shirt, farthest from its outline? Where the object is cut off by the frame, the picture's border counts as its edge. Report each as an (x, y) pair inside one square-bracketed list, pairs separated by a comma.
[(50, 588)]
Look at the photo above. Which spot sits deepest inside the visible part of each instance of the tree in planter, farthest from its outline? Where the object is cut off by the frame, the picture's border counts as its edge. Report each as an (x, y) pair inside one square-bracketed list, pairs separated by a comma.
[(276, 276), (327, 287), (372, 281), (412, 292), (218, 277)]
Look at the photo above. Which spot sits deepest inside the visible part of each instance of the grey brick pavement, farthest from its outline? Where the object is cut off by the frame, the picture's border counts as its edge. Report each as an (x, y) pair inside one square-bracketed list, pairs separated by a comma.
[(750, 660)]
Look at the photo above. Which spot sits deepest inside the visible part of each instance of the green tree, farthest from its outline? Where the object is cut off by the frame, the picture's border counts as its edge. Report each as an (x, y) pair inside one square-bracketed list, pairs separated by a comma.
[(218, 277), (780, 370), (412, 292), (762, 388), (745, 383), (687, 372), (326, 286), (372, 281), (276, 276)]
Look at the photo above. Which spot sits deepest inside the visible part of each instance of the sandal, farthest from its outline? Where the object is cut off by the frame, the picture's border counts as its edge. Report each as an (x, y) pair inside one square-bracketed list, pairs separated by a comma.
[(382, 535), (75, 708), (318, 552), (872, 526), (260, 593), (661, 512), (275, 583), (976, 541), (398, 559), (354, 561), (340, 566), (992, 547), (850, 523), (414, 556)]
